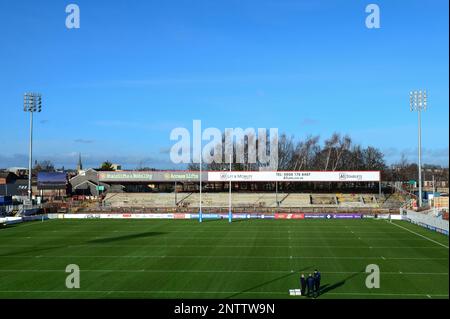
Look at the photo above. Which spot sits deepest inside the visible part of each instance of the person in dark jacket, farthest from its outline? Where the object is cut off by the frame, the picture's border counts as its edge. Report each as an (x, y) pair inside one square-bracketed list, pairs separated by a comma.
[(303, 284), (310, 284), (317, 277)]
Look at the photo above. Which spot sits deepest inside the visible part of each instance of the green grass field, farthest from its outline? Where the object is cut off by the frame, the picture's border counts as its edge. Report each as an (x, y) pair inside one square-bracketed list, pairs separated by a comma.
[(247, 259)]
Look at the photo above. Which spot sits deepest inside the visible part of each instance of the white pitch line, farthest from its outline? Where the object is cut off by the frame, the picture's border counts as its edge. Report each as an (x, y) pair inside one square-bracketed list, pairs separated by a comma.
[(213, 231), (133, 224), (383, 294), (415, 233), (220, 246), (26, 224), (178, 292), (236, 238), (217, 271), (226, 257)]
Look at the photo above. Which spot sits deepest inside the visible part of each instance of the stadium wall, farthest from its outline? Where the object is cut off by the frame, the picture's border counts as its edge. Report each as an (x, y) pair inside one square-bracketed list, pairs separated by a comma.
[(213, 216), (434, 224), (424, 220)]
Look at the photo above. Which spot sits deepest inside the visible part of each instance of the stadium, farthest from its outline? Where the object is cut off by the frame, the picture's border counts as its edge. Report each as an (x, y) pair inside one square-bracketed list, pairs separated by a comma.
[(242, 155), (247, 242)]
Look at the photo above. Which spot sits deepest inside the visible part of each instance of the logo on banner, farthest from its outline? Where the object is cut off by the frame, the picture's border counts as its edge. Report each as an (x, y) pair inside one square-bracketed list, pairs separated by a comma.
[(346, 176), (89, 216)]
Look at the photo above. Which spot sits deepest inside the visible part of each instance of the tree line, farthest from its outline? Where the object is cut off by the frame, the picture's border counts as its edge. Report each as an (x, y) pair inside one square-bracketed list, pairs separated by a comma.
[(338, 152)]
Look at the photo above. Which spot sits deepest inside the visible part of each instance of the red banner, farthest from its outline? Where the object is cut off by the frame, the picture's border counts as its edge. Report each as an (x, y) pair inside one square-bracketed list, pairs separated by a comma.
[(289, 216)]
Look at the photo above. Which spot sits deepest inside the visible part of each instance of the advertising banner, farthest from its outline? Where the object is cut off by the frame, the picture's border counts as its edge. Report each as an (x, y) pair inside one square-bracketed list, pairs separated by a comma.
[(348, 216), (118, 216), (442, 231), (317, 216), (11, 220), (36, 217), (289, 216), (150, 176), (70, 216), (235, 176), (295, 176)]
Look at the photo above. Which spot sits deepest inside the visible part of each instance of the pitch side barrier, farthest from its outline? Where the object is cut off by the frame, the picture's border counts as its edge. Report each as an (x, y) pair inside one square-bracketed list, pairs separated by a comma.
[(17, 220), (223, 216), (430, 222), (206, 215), (433, 224), (239, 176)]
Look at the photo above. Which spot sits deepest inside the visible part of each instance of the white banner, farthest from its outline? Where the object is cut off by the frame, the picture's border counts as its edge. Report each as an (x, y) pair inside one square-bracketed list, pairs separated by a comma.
[(10, 220), (118, 216), (295, 176)]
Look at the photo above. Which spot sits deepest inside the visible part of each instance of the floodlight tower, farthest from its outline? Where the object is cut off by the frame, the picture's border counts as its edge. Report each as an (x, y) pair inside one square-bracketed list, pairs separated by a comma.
[(418, 102), (200, 213), (230, 214), (32, 102)]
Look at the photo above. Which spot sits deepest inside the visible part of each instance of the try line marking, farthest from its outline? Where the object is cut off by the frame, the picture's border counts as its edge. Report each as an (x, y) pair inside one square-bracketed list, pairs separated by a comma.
[(177, 292), (217, 271), (9, 246), (425, 237), (222, 257)]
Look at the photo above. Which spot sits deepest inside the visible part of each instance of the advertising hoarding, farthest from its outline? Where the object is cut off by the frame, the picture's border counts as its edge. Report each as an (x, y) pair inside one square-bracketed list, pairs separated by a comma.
[(295, 176), (234, 176)]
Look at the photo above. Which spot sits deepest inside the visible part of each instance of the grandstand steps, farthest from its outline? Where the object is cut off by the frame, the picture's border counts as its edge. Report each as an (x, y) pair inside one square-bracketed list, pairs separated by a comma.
[(244, 200)]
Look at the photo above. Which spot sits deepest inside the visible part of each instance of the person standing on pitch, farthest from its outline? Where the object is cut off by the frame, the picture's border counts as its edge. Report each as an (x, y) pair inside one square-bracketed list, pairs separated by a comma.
[(317, 278), (303, 284), (310, 283)]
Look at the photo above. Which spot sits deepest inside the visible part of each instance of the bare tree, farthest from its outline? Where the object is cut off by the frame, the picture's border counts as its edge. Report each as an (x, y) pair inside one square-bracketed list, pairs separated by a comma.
[(330, 144), (44, 166), (343, 145)]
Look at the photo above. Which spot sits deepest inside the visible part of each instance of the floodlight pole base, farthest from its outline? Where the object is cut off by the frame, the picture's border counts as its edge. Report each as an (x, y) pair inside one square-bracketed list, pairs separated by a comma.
[(200, 216)]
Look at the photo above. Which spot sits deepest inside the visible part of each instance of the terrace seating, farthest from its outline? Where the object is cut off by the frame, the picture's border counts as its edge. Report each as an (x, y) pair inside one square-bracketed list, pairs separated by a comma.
[(349, 200), (243, 200), (323, 199), (394, 200), (296, 200)]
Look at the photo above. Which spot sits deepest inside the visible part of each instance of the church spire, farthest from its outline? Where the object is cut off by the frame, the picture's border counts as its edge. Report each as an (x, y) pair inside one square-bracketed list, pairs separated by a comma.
[(80, 165)]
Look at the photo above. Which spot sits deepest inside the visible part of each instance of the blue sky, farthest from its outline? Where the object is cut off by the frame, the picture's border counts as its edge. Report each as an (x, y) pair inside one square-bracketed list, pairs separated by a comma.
[(116, 87)]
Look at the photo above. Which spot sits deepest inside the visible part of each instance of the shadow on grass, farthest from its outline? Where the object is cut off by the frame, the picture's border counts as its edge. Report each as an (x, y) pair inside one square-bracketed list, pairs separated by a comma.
[(18, 225), (296, 273), (240, 220), (330, 287), (209, 220), (126, 237), (33, 251), (225, 220)]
